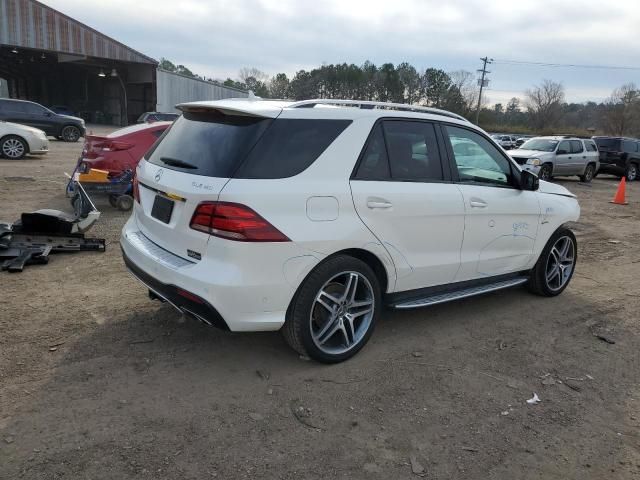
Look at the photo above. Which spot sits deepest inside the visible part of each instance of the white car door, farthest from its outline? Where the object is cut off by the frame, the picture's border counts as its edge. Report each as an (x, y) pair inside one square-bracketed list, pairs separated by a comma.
[(405, 197), (501, 221)]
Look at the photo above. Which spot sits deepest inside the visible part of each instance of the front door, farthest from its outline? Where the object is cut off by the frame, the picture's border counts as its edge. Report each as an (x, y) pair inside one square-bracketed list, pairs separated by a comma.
[(501, 221), (405, 197)]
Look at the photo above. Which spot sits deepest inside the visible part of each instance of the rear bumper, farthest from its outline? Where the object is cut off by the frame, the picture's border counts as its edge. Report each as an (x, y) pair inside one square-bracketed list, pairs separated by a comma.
[(245, 292), (193, 306), (612, 168)]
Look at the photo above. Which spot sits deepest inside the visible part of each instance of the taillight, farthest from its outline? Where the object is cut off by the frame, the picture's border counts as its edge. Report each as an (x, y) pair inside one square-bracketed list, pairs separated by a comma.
[(136, 188), (234, 221)]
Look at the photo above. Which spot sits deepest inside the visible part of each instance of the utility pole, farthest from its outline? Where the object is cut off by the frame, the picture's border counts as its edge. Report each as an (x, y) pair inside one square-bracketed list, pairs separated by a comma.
[(483, 83)]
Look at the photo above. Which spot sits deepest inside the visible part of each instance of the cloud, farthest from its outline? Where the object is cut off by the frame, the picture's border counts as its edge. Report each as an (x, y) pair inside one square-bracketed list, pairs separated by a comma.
[(217, 38)]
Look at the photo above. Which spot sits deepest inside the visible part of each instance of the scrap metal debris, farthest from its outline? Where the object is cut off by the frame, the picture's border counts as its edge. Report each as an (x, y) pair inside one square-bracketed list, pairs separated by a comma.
[(30, 240)]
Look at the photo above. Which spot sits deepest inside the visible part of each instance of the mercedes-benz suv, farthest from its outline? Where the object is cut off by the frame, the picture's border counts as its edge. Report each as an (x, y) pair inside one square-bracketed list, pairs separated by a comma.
[(310, 216)]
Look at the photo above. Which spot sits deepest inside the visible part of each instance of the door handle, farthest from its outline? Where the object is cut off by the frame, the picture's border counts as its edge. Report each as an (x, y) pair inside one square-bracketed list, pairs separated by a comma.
[(477, 203), (378, 203)]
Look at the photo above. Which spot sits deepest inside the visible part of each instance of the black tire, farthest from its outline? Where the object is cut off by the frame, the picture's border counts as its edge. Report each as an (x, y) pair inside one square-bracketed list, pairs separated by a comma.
[(589, 173), (113, 200), (538, 282), (13, 147), (124, 202), (545, 172), (304, 310), (70, 133), (631, 172)]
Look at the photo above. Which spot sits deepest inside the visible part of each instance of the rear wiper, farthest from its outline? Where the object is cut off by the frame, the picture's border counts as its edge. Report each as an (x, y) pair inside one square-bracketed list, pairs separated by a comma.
[(175, 162)]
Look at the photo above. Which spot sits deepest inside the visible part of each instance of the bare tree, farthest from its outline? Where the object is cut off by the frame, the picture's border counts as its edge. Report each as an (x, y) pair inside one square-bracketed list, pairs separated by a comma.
[(622, 110), (252, 73), (544, 103), (466, 84)]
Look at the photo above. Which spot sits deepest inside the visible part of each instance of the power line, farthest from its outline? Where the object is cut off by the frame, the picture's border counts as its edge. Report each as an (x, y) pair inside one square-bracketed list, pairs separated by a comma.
[(568, 65)]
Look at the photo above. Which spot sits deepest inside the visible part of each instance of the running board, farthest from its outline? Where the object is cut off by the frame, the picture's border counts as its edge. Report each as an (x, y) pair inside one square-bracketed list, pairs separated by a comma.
[(458, 294)]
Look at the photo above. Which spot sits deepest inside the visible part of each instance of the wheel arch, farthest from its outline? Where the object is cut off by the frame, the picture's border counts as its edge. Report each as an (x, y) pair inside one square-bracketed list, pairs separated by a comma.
[(371, 259), (65, 125), (24, 140)]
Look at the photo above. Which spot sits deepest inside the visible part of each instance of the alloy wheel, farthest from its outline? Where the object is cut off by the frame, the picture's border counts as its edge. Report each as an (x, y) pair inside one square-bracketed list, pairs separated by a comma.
[(13, 148), (588, 174), (342, 312), (560, 263), (632, 173), (70, 134)]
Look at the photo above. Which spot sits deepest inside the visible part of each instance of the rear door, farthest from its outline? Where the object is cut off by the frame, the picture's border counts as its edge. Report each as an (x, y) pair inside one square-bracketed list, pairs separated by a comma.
[(191, 164), (564, 158), (578, 160), (404, 195)]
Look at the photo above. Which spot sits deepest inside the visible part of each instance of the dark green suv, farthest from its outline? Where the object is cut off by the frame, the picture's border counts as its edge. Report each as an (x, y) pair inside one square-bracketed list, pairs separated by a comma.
[(619, 156), (64, 127)]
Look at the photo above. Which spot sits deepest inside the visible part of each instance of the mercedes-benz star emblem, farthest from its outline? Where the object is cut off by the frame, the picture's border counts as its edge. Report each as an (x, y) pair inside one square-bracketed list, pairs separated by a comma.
[(158, 175)]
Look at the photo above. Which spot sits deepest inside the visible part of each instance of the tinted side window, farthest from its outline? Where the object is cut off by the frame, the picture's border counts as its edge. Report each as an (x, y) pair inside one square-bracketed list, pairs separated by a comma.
[(478, 161), (629, 146), (564, 146), (413, 150), (374, 162), (17, 107), (290, 146), (576, 146)]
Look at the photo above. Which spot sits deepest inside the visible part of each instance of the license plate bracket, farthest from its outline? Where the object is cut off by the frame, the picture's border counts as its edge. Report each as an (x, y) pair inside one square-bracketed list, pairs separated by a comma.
[(162, 208)]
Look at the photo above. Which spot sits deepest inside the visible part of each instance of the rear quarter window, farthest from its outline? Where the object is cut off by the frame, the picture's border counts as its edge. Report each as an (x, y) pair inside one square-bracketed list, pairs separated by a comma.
[(290, 146), (629, 146), (591, 147)]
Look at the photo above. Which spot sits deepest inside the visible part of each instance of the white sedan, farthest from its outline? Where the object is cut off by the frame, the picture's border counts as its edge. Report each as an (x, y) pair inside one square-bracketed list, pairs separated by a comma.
[(18, 140)]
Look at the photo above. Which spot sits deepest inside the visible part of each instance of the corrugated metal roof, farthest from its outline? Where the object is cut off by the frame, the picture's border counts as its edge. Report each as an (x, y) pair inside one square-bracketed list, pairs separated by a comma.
[(31, 24)]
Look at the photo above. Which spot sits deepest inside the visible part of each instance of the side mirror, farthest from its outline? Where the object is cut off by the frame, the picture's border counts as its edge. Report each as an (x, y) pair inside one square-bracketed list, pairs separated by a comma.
[(561, 152), (529, 181)]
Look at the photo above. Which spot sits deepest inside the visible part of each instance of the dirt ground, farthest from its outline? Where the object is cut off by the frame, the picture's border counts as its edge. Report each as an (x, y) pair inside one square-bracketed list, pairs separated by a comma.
[(98, 382)]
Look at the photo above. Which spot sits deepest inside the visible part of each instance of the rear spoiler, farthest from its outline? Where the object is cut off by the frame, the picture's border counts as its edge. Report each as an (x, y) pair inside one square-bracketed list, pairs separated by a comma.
[(235, 107)]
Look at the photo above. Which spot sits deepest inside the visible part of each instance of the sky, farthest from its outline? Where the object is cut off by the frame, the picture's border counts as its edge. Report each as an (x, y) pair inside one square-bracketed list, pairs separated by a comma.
[(217, 38)]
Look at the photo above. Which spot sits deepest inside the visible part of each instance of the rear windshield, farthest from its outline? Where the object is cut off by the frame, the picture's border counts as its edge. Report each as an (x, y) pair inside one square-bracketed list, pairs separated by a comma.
[(217, 145), (208, 143), (608, 144)]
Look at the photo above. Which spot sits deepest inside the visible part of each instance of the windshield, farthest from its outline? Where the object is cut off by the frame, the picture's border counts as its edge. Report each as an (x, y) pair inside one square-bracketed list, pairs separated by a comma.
[(540, 144)]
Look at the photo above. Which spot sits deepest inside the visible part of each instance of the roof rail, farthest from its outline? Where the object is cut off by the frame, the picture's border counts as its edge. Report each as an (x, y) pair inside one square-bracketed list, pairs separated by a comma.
[(566, 135), (369, 105)]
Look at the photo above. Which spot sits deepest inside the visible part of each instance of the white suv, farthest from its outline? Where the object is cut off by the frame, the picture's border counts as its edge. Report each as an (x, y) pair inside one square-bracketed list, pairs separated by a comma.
[(309, 216)]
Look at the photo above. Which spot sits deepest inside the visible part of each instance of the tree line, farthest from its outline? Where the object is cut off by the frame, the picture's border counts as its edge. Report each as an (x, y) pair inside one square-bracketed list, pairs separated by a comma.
[(543, 109)]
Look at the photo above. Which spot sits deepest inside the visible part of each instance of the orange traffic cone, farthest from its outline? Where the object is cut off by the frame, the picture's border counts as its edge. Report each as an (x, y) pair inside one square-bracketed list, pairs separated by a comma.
[(619, 197)]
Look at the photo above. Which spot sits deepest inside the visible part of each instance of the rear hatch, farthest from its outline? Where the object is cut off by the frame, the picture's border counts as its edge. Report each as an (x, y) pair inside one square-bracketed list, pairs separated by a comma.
[(191, 164), (610, 149)]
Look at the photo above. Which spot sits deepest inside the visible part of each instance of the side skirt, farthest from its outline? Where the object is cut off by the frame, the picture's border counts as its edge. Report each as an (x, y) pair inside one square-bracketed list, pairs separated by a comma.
[(456, 291)]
